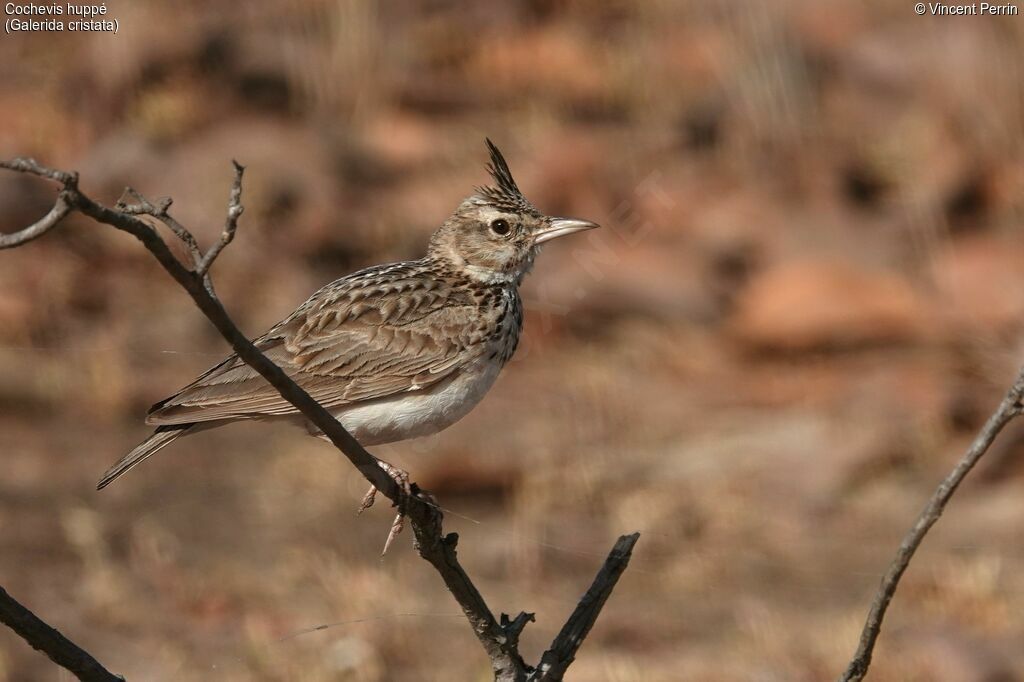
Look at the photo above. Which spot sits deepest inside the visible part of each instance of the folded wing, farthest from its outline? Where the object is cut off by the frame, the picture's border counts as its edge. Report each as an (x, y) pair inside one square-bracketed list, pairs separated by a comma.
[(374, 334)]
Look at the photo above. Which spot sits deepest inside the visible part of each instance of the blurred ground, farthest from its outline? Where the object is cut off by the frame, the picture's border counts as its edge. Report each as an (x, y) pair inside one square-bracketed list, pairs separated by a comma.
[(806, 298)]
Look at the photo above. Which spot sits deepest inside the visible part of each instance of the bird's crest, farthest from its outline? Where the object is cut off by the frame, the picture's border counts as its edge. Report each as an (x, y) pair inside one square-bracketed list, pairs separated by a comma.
[(506, 196)]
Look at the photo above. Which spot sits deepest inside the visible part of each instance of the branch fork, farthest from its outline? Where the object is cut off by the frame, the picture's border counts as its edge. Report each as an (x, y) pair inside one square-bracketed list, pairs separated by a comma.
[(499, 639)]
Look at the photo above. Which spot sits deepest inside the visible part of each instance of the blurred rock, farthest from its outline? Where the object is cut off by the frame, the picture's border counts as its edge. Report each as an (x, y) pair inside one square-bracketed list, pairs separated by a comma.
[(400, 140), (821, 305), (462, 476), (979, 283)]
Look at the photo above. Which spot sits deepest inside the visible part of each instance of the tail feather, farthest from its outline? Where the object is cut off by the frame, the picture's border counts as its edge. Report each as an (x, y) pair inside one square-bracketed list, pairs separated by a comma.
[(163, 436)]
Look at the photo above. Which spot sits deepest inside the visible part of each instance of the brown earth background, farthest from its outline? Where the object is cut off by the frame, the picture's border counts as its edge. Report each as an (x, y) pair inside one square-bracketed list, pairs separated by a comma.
[(807, 295)]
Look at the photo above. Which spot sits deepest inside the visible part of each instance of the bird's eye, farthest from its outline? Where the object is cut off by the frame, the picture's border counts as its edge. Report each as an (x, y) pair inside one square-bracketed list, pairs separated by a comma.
[(500, 227)]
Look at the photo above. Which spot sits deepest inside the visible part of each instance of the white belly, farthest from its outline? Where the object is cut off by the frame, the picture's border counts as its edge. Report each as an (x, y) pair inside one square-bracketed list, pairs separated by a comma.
[(411, 415)]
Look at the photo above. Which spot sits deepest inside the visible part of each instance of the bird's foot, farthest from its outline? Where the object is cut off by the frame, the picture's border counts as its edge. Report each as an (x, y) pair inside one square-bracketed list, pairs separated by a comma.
[(401, 478)]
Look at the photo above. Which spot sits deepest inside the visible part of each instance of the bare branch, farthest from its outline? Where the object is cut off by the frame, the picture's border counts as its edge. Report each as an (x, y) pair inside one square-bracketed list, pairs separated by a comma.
[(562, 652), (499, 640), (507, 664), (1009, 408), (46, 639), (22, 165), (60, 209), (143, 206), (235, 209), (40, 227)]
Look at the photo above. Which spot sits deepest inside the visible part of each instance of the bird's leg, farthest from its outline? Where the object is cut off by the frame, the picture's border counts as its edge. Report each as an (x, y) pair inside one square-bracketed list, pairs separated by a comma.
[(401, 477)]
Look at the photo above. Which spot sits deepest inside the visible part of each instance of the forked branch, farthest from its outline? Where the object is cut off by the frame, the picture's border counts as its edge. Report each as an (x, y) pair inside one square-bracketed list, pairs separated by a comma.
[(499, 639)]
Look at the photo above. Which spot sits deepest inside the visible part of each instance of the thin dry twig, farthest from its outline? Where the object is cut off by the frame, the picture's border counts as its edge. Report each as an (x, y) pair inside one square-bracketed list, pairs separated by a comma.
[(46, 639), (143, 206), (562, 651), (230, 222), (499, 640), (24, 165), (59, 211), (40, 227), (1010, 408)]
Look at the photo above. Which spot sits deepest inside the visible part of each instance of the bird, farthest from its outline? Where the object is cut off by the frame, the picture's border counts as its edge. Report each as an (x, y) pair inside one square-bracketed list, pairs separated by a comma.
[(394, 351)]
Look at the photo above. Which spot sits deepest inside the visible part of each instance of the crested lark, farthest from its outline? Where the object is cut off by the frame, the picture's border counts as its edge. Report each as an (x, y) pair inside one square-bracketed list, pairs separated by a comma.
[(393, 351)]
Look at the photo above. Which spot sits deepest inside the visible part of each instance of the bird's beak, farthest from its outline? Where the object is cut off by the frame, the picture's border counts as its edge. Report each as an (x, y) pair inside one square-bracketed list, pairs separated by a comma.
[(559, 227)]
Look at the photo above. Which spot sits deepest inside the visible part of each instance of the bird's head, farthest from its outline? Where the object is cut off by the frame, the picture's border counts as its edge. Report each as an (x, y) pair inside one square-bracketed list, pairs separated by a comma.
[(495, 234)]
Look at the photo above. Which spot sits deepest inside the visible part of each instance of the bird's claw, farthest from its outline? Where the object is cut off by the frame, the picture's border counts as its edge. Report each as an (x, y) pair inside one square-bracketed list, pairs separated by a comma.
[(401, 478), (396, 527), (368, 499)]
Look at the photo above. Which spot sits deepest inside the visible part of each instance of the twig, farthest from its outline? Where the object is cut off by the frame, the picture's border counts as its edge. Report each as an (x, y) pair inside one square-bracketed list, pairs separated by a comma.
[(23, 165), (1009, 408), (40, 227), (499, 640), (230, 222), (143, 206), (513, 628), (46, 639), (562, 651)]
